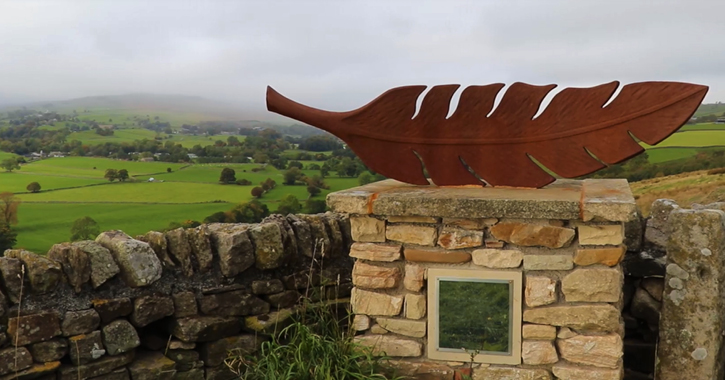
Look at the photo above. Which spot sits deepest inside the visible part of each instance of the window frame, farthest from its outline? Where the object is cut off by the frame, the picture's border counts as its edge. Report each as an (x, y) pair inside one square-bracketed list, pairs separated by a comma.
[(515, 280)]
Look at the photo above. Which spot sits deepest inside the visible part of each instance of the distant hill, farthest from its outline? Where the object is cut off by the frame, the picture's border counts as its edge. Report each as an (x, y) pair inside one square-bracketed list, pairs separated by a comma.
[(716, 109)]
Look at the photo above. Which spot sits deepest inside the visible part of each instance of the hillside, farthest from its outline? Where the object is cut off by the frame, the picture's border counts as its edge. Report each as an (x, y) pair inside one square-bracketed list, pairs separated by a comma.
[(710, 109), (685, 189)]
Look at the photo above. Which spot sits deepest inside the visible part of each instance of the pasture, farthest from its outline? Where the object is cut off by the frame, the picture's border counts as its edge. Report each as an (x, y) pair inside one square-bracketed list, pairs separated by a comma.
[(71, 188)]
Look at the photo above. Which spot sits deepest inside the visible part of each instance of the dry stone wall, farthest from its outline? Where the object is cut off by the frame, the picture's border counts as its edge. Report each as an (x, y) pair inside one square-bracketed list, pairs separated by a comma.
[(164, 305), (567, 243)]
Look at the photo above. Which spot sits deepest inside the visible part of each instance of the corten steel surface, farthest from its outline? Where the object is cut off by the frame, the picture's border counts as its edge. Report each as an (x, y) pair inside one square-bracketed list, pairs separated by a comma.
[(574, 136)]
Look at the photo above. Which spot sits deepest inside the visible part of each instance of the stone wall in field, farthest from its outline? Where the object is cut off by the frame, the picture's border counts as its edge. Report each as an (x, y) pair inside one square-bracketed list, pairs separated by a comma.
[(164, 305)]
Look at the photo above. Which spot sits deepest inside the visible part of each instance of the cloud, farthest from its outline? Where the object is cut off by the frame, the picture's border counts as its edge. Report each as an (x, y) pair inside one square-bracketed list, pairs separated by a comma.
[(341, 54)]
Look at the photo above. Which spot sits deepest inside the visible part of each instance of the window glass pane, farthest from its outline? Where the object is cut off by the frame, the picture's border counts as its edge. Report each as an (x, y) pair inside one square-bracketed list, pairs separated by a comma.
[(474, 315)]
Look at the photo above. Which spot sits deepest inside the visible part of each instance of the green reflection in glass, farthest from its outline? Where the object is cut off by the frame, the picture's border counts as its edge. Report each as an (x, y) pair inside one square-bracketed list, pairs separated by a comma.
[(474, 315)]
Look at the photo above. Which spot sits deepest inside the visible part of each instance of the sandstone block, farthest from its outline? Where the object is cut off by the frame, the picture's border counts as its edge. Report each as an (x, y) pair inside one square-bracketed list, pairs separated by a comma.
[(43, 273), (152, 365), (361, 322), (377, 329), (566, 333), (596, 317), (458, 238), (137, 261), (391, 345), (510, 373), (111, 309), (539, 291), (270, 323), (414, 277), (656, 232), (8, 360), (184, 304), (412, 234), (75, 263), (497, 258), (49, 351), (415, 329), (151, 308), (11, 273), (179, 345), (100, 367), (85, 348), (120, 336), (103, 266), (471, 224), (376, 252), (538, 332), (601, 234), (372, 303), (204, 328), (157, 241), (436, 256), (367, 229), (606, 256), (214, 353), (269, 250), (80, 322), (548, 262), (538, 352), (375, 277), (232, 244), (412, 219), (530, 235), (180, 249), (593, 285), (232, 304), (493, 243), (200, 242), (33, 328), (415, 306), (267, 286), (564, 371), (598, 351)]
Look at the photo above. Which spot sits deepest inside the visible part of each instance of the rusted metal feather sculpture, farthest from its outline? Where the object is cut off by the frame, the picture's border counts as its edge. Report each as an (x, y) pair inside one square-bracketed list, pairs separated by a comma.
[(574, 135)]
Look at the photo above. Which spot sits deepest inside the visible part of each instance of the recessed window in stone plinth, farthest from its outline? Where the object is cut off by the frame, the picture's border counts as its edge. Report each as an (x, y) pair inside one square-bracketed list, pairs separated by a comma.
[(474, 313)]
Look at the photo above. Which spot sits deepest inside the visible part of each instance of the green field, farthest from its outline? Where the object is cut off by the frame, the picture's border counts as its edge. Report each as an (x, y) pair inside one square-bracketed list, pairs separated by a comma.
[(42, 225), (127, 135), (71, 188), (703, 126)]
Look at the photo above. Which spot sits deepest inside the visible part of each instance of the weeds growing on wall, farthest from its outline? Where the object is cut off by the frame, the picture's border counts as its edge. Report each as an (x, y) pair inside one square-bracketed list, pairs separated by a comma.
[(317, 345)]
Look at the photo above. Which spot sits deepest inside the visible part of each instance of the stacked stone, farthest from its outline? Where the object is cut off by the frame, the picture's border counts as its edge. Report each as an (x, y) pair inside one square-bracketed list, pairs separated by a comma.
[(164, 305), (572, 326)]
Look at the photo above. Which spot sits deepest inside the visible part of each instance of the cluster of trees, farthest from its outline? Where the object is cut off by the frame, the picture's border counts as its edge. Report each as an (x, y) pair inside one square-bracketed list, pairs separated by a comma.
[(639, 168), (263, 187), (113, 174), (84, 228)]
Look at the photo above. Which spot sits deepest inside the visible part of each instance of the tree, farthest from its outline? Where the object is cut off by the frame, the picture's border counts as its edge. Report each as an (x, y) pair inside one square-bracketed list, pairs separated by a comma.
[(365, 178), (228, 176), (122, 175), (111, 175), (260, 158), (33, 187), (292, 175), (8, 209), (315, 206), (84, 228), (313, 190), (257, 192), (317, 181), (8, 238), (294, 164), (168, 170), (289, 205), (248, 212), (10, 164), (217, 217), (244, 182)]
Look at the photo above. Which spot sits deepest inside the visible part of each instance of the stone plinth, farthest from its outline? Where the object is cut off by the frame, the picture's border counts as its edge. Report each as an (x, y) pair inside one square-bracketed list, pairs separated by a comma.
[(566, 239)]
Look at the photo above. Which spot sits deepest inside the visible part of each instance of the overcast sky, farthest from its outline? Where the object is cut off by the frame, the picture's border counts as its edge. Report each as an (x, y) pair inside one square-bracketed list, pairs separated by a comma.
[(341, 54)]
